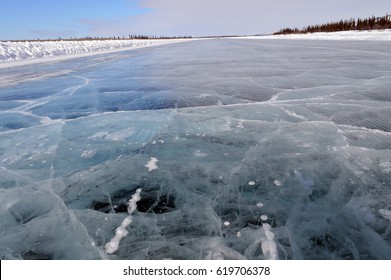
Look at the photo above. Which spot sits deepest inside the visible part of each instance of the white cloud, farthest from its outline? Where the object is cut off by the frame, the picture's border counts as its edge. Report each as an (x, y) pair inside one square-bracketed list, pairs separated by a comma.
[(225, 17), (213, 17), (201, 17)]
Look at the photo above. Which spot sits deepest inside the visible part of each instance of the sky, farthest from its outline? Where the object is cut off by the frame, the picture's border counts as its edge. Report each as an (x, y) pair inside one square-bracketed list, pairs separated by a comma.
[(33, 19)]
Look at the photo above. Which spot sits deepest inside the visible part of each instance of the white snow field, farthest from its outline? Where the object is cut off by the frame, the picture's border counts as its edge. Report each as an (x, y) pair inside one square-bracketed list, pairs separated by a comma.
[(208, 149), (365, 35)]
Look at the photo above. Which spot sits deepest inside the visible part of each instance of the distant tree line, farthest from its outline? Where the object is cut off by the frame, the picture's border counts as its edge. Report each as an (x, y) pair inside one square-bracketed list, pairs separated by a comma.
[(90, 38), (371, 23), (129, 37)]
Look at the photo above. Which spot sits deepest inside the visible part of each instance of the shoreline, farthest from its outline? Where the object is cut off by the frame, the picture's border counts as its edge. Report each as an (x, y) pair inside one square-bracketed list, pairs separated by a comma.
[(66, 56)]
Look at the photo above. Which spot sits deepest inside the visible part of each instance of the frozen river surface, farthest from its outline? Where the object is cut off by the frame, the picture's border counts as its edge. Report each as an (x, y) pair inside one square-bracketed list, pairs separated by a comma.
[(226, 149)]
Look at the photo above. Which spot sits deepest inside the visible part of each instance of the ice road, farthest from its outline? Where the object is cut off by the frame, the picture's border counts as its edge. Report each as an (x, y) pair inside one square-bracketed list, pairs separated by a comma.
[(209, 149)]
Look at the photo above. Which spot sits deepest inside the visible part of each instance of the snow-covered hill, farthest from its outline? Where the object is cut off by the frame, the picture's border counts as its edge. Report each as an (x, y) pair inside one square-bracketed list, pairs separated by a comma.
[(12, 51)]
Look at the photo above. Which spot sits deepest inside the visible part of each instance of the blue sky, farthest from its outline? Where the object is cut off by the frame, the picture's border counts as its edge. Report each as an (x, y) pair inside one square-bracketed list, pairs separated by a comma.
[(32, 19), (55, 18)]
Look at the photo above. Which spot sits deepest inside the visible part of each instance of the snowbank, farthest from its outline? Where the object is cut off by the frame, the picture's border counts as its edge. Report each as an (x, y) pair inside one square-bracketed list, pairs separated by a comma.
[(373, 35), (16, 51)]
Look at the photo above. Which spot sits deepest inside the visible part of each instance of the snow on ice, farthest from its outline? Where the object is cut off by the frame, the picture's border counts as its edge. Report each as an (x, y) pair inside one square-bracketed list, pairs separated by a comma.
[(113, 245), (151, 165)]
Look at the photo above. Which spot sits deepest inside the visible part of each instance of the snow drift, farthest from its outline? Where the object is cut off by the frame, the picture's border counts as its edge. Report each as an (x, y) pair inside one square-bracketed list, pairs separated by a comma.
[(11, 51)]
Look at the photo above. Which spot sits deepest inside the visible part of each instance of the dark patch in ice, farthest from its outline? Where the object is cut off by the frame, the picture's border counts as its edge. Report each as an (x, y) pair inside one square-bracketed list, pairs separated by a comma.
[(328, 246), (13, 121), (322, 241), (33, 255), (318, 193), (118, 202), (25, 210), (150, 203), (228, 142), (101, 206), (14, 125)]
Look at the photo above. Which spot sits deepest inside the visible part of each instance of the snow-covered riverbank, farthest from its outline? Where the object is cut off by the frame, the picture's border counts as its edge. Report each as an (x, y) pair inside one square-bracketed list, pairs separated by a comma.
[(372, 35), (17, 51)]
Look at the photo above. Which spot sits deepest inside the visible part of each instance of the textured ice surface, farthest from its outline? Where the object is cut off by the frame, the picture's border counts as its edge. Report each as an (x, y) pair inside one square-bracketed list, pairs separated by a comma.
[(243, 149)]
